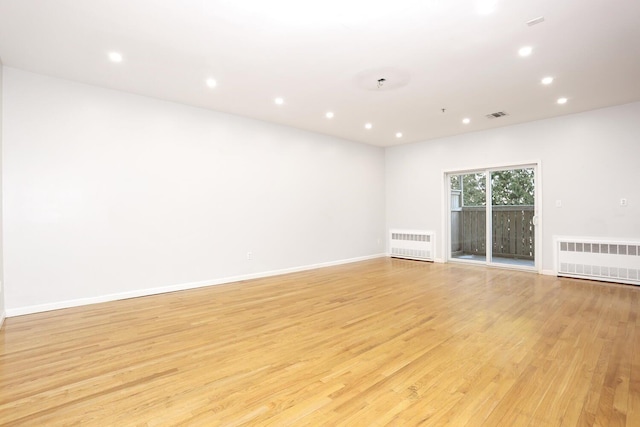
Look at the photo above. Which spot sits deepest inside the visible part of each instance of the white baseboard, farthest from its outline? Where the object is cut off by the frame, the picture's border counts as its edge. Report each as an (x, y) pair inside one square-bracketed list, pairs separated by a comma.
[(440, 260), (20, 311), (2, 317), (549, 273)]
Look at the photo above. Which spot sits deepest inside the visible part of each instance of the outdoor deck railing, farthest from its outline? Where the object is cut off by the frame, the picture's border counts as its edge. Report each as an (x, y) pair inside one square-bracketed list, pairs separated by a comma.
[(512, 236)]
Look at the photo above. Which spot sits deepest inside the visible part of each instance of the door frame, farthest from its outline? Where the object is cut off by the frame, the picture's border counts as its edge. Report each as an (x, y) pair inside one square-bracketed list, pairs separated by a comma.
[(446, 214)]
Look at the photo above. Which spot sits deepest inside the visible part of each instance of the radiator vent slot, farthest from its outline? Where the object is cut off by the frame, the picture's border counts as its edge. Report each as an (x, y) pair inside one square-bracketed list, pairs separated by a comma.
[(607, 260), (412, 244)]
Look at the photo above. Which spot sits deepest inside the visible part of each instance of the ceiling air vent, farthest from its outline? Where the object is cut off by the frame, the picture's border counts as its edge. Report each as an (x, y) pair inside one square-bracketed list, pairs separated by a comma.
[(496, 115), (535, 21)]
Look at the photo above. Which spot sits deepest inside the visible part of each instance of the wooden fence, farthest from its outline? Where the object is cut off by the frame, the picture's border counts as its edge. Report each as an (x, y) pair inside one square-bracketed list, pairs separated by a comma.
[(512, 234)]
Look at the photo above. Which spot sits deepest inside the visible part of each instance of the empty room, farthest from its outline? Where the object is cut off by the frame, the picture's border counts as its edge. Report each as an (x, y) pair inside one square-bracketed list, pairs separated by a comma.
[(320, 213)]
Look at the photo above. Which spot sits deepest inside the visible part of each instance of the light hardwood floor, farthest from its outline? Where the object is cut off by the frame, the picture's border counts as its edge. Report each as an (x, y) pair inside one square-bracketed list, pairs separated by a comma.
[(380, 342)]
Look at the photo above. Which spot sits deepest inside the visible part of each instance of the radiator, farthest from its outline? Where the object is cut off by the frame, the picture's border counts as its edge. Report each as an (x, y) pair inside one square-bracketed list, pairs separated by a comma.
[(598, 259), (412, 244)]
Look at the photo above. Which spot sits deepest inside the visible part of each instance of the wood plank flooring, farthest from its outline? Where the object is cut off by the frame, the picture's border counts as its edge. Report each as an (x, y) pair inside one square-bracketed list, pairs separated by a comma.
[(380, 342)]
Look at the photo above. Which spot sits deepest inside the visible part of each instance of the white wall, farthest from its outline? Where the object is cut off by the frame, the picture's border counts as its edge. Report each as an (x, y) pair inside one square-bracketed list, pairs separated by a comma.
[(108, 193), (2, 307), (589, 161)]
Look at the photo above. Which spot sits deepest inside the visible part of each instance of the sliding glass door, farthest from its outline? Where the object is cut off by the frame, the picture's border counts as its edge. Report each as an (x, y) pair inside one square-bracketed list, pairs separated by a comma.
[(501, 232)]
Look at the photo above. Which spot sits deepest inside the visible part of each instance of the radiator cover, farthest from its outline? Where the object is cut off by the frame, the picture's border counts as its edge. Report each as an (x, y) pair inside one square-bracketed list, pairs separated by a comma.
[(412, 244), (610, 260)]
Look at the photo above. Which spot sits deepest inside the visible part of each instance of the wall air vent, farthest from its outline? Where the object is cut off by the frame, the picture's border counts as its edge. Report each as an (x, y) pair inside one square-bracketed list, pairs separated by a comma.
[(496, 115)]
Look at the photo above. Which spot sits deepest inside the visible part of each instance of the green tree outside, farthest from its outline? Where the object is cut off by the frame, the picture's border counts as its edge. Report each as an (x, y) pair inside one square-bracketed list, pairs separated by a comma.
[(508, 187)]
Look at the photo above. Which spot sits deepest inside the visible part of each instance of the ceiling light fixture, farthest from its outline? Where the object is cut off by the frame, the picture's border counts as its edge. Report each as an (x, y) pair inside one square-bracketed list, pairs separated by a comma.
[(115, 57), (399, 135), (562, 101), (368, 126), (466, 120), (329, 115), (525, 51), (212, 83), (279, 101), (547, 80)]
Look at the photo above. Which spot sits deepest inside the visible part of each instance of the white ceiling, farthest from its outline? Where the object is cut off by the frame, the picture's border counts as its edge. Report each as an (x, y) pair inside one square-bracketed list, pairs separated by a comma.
[(326, 55)]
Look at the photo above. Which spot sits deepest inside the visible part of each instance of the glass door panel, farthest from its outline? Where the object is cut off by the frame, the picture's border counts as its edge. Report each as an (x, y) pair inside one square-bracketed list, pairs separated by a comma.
[(512, 217), (468, 216)]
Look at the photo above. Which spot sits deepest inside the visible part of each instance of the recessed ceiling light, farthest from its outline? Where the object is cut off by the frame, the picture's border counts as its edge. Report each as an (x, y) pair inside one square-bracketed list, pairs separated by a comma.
[(115, 57), (547, 80), (279, 101), (329, 115), (212, 83), (399, 135), (525, 51), (368, 126), (466, 120), (562, 100)]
